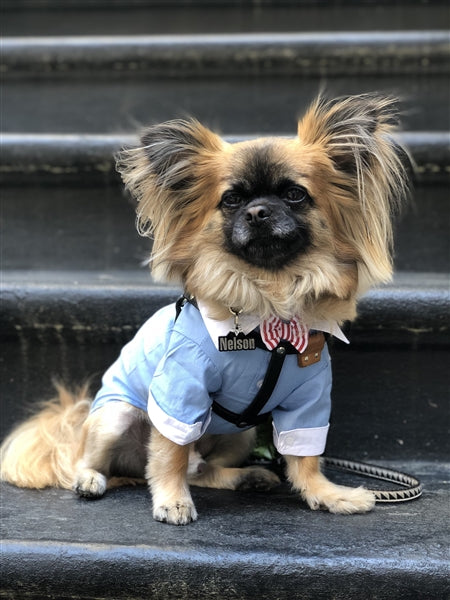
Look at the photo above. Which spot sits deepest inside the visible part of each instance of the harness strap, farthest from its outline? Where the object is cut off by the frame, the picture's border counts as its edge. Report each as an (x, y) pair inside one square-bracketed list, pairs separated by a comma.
[(251, 416), (182, 301)]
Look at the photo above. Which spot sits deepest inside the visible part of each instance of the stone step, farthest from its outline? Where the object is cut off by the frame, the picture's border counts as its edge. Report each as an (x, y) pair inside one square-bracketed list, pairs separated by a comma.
[(236, 82), (390, 384), (244, 545), (81, 219), (108, 307), (88, 159), (119, 17)]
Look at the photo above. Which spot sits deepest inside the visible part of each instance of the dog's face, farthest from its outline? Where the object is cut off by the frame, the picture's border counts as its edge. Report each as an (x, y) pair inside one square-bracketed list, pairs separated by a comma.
[(265, 208), (273, 225)]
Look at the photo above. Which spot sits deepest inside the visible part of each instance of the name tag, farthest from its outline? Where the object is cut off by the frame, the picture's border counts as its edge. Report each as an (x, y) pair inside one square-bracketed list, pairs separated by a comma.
[(236, 343)]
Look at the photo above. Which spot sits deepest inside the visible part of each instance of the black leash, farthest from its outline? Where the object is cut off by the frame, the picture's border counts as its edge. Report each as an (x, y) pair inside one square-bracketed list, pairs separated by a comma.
[(410, 487)]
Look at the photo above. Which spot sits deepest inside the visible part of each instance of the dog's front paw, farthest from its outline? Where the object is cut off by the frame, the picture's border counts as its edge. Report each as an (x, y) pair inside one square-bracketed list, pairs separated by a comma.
[(89, 484), (257, 478), (339, 499), (177, 513)]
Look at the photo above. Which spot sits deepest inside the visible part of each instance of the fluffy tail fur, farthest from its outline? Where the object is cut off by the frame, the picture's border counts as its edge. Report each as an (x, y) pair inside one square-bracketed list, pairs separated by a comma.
[(42, 451)]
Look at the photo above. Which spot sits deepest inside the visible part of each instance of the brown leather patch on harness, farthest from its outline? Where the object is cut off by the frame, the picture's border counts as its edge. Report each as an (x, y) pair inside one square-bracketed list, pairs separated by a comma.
[(313, 351)]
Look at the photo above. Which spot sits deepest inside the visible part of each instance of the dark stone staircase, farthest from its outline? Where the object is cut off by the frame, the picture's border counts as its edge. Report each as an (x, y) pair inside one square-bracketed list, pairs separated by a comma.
[(74, 289)]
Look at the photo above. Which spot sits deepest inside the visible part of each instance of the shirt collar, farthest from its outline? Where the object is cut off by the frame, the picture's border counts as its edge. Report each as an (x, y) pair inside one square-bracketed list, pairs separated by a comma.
[(250, 322)]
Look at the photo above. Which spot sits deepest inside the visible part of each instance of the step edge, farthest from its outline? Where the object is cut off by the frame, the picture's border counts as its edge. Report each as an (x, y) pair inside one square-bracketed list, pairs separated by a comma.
[(92, 552), (70, 4), (64, 157), (412, 314), (402, 282), (240, 55), (97, 42)]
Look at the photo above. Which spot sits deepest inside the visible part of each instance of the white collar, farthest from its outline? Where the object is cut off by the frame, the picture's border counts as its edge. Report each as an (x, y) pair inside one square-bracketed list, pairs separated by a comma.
[(249, 322)]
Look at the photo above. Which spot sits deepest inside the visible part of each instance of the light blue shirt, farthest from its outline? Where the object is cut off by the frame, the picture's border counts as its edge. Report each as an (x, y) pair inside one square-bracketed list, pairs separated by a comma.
[(172, 370)]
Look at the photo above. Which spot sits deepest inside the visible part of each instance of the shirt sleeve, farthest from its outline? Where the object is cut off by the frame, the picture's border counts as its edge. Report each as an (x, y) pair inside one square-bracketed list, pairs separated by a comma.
[(179, 401), (128, 378), (301, 422)]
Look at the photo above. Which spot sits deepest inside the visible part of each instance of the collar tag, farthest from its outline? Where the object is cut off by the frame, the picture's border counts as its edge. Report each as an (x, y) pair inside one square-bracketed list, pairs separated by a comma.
[(236, 342), (237, 326)]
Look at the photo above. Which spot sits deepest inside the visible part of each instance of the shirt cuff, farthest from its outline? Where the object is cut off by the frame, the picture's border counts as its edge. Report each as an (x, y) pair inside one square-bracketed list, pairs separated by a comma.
[(176, 431), (310, 441)]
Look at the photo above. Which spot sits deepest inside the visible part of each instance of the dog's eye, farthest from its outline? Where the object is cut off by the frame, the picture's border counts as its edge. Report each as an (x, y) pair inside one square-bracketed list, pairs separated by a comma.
[(296, 194), (231, 200)]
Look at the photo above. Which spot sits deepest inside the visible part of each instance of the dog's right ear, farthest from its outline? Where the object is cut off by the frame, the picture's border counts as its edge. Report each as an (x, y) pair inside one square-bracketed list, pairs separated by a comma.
[(168, 171), (174, 150), (173, 176)]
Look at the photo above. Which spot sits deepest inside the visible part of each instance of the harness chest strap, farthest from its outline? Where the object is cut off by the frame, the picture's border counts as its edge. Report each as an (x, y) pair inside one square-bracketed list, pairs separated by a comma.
[(251, 415)]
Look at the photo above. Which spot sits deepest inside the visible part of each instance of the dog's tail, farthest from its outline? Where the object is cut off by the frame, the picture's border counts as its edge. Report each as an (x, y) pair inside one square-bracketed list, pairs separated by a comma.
[(42, 451)]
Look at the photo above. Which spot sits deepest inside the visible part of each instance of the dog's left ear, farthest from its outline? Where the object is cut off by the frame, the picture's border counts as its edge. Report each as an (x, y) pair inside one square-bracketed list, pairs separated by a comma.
[(369, 173), (349, 128)]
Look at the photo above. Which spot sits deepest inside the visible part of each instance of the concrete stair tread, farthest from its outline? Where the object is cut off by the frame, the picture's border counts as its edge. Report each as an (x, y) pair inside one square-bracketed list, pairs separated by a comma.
[(80, 75), (324, 54), (82, 158), (68, 17), (54, 54), (103, 307), (73, 178), (127, 279), (245, 545)]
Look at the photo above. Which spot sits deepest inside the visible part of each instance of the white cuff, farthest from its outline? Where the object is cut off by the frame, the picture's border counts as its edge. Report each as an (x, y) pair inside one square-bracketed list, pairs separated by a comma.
[(174, 430), (301, 442)]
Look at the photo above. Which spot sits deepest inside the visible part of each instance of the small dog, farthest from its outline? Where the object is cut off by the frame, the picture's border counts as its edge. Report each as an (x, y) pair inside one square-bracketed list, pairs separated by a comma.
[(273, 240)]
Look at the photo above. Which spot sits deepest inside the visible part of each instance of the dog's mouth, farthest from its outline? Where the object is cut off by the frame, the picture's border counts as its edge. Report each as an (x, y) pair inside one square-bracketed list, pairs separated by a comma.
[(274, 257), (266, 238)]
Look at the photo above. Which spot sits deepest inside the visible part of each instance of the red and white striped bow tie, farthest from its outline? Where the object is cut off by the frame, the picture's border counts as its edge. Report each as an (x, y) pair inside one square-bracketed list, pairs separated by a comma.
[(274, 329)]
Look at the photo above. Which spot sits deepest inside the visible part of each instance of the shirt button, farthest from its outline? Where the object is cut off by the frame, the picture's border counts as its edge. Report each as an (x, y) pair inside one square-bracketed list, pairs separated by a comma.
[(259, 383)]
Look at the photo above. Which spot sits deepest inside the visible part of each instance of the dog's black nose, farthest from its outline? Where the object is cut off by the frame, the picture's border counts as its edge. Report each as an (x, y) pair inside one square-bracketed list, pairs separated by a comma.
[(257, 213)]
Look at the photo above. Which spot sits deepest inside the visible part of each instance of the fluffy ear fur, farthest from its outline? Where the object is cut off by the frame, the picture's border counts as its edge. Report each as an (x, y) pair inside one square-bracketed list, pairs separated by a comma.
[(169, 175), (368, 167)]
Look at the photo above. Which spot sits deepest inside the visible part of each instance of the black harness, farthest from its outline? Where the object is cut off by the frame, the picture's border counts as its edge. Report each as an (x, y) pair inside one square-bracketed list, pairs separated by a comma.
[(251, 415)]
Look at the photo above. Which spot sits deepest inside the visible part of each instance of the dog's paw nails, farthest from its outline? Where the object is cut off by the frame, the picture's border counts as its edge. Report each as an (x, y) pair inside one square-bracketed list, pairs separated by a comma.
[(342, 500), (313, 503), (180, 513), (257, 478), (90, 484), (356, 500)]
